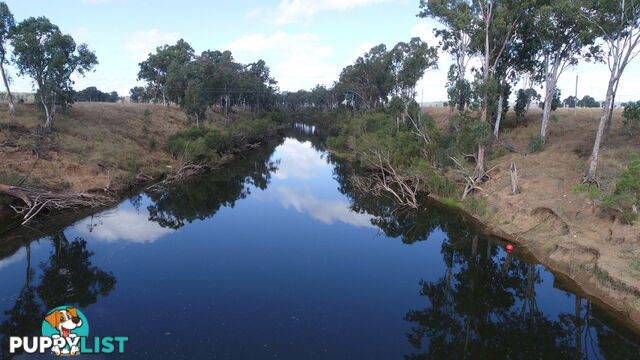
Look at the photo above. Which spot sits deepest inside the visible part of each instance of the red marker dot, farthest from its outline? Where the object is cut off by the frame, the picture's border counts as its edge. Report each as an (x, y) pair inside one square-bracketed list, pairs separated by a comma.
[(509, 248)]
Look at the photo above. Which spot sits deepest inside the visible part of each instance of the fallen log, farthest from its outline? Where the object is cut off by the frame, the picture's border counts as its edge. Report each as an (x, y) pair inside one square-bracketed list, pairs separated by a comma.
[(35, 201)]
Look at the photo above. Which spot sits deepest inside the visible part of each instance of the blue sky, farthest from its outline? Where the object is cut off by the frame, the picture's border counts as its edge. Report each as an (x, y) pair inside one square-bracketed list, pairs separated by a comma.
[(305, 42)]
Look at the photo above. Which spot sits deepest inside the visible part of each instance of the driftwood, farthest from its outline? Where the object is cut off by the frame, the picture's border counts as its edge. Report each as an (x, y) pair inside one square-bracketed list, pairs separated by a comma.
[(35, 201), (515, 188)]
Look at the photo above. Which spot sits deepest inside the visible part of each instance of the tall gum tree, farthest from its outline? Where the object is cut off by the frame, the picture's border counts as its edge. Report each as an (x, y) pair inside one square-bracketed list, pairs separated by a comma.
[(562, 36), (618, 22), (457, 18), (49, 57), (155, 70), (7, 22)]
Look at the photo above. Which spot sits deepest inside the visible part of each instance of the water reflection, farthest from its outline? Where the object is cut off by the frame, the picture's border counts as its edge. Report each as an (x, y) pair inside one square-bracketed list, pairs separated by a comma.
[(122, 224), (484, 306), (325, 211), (67, 277)]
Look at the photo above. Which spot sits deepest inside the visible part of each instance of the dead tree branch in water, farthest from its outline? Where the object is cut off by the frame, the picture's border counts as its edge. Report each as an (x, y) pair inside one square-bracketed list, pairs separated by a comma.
[(384, 179)]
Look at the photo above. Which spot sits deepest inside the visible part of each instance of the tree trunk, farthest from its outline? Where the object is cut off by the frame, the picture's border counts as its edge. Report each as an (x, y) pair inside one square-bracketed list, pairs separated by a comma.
[(12, 109), (49, 123), (546, 114), (479, 173), (590, 177), (496, 130)]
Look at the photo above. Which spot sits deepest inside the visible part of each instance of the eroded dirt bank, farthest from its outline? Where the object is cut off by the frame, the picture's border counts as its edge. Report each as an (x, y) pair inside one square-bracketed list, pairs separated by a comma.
[(566, 231)]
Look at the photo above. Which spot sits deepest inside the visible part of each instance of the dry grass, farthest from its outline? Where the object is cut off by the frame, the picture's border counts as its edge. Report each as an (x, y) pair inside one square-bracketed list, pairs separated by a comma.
[(91, 142)]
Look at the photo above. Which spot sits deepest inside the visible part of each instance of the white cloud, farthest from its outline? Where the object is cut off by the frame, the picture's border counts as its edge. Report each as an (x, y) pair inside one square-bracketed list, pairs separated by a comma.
[(141, 43), (298, 159), (362, 49), (424, 30), (121, 224), (302, 11), (326, 211), (306, 61), (80, 34)]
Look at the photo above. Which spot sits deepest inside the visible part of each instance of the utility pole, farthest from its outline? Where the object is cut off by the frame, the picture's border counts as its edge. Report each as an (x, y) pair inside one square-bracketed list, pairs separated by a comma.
[(575, 101)]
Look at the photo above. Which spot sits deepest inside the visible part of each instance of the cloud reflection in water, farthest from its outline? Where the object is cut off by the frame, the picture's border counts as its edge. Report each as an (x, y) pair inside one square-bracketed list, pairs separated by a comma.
[(121, 224), (326, 211)]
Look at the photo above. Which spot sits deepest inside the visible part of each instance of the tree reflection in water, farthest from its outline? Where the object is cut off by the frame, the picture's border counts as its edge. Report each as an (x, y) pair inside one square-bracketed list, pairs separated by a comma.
[(68, 278), (202, 197), (484, 306)]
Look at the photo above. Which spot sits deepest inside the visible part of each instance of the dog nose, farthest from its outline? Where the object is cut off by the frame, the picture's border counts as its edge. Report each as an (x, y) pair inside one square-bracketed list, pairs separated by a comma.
[(76, 320)]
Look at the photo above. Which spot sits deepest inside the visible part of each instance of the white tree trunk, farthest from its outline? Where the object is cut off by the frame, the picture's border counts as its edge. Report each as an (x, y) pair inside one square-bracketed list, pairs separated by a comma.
[(49, 123), (496, 129), (546, 114), (590, 177), (12, 109)]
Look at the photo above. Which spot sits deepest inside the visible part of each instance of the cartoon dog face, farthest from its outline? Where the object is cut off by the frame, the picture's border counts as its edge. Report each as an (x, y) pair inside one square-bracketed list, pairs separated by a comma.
[(64, 320)]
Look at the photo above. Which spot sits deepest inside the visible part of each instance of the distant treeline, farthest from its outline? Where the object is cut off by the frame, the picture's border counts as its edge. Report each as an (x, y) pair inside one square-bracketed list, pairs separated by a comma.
[(92, 94)]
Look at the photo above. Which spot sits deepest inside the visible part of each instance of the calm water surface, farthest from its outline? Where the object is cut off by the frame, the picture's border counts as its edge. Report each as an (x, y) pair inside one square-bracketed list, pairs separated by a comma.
[(276, 256)]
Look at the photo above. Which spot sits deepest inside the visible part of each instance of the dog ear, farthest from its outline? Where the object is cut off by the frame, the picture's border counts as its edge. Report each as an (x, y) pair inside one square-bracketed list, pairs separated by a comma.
[(52, 319), (73, 312)]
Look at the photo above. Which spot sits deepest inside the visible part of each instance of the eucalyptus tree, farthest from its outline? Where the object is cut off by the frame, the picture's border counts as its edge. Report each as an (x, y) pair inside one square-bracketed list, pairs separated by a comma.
[(618, 22), (156, 69), (49, 57), (455, 38), (7, 22), (409, 61), (368, 81), (563, 36)]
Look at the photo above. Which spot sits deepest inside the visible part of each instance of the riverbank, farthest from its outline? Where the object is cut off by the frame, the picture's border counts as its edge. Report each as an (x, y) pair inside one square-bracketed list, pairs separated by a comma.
[(105, 148), (566, 229)]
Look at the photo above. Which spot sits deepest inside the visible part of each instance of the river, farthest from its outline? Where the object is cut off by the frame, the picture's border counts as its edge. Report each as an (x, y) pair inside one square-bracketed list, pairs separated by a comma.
[(277, 256)]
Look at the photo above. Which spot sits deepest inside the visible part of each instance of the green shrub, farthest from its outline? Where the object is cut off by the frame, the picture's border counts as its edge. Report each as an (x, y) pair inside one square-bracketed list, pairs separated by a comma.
[(536, 144), (631, 114), (145, 130), (146, 113)]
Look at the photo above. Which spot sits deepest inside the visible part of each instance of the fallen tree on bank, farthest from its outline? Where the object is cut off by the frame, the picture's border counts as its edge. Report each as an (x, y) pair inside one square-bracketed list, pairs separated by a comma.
[(34, 201)]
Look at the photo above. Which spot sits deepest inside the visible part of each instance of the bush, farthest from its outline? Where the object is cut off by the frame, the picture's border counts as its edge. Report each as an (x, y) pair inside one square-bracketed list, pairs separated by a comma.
[(626, 195), (536, 144)]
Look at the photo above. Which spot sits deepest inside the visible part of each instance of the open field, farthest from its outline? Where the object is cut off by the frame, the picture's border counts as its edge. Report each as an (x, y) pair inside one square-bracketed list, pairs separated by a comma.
[(91, 145)]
